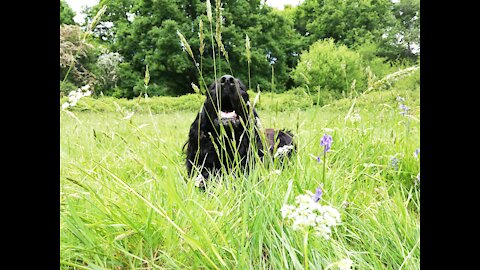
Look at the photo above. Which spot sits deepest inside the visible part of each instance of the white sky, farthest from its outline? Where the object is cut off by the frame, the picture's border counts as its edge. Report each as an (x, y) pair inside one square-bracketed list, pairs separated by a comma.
[(77, 5), (280, 3)]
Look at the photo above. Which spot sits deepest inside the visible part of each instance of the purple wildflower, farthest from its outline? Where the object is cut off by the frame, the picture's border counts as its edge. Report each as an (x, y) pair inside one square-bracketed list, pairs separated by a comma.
[(416, 153), (326, 142), (394, 163), (404, 109), (318, 194)]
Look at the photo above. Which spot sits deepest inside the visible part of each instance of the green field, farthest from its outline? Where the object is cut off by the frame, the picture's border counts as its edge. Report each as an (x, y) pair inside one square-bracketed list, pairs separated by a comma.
[(126, 202)]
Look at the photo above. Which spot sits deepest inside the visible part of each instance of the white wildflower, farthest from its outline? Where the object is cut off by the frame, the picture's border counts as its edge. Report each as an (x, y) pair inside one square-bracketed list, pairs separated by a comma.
[(287, 210), (75, 96), (308, 214), (283, 151), (353, 117), (200, 181), (128, 115), (345, 264)]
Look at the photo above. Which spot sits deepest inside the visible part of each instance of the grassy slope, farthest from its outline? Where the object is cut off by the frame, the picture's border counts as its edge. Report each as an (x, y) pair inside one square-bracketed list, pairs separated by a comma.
[(124, 201)]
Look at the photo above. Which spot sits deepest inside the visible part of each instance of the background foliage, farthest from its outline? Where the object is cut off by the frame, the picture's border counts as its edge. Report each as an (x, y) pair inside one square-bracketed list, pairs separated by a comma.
[(344, 68), (380, 34)]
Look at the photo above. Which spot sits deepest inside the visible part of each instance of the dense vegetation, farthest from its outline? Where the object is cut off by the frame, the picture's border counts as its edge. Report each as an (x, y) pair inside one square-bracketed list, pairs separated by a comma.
[(131, 81), (127, 203), (112, 50)]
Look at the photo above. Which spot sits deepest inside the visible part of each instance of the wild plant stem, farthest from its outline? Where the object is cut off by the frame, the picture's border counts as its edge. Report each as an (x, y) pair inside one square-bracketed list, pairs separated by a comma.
[(213, 54), (249, 82), (305, 250), (273, 82), (324, 165)]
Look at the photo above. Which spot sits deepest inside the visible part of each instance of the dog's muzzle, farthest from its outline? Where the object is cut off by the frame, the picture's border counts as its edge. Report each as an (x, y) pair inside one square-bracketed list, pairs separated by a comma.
[(228, 102), (228, 118)]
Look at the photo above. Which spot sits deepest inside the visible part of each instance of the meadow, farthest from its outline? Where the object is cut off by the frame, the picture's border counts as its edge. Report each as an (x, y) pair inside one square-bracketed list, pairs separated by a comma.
[(127, 203)]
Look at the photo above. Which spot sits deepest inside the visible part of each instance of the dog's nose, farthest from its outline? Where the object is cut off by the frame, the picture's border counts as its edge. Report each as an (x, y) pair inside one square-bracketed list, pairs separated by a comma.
[(227, 79)]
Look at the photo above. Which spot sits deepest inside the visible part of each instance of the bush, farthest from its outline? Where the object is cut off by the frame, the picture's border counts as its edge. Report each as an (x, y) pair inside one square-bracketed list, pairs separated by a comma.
[(379, 66), (411, 82), (66, 87), (330, 67), (293, 99), (156, 104)]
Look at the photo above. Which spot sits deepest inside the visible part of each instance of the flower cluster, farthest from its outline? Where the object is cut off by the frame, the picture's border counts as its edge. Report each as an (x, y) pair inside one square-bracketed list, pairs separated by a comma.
[(394, 161), (416, 153), (404, 109), (308, 214), (74, 96), (345, 264), (353, 117), (326, 142), (283, 151), (128, 115), (200, 181)]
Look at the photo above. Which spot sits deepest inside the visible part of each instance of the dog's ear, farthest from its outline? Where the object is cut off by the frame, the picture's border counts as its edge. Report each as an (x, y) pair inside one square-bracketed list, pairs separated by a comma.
[(211, 87), (285, 137), (242, 85)]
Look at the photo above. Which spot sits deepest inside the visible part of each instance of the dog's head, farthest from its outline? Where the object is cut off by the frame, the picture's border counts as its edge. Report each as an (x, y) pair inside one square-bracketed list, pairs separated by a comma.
[(227, 102)]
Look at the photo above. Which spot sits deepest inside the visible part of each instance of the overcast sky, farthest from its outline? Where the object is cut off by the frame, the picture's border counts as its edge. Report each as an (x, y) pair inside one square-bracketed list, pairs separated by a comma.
[(77, 5)]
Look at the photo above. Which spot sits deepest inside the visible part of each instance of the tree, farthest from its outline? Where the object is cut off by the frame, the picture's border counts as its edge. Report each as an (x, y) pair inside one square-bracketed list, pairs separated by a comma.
[(108, 71), (403, 38), (145, 34), (349, 22), (393, 26), (66, 13), (118, 15), (75, 53)]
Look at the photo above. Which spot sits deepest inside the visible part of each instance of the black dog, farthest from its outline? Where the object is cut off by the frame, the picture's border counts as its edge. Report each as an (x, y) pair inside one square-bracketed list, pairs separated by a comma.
[(225, 132)]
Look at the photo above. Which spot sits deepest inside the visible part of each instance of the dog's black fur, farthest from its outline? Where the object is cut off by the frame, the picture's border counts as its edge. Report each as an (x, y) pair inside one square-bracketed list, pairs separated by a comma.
[(228, 116)]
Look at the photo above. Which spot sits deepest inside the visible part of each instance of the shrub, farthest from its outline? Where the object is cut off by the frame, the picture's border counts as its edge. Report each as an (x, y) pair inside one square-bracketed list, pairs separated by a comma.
[(75, 54), (379, 66), (293, 99), (66, 87), (330, 67), (108, 69), (411, 82), (156, 104)]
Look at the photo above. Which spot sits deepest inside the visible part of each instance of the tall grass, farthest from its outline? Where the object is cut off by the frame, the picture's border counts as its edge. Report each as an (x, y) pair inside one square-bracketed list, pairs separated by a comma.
[(127, 202)]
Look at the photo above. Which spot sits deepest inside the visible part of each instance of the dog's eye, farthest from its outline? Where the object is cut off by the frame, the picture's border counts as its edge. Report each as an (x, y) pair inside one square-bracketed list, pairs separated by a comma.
[(227, 79)]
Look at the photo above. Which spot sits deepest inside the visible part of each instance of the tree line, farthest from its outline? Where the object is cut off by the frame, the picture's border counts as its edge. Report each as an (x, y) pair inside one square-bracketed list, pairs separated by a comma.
[(131, 35)]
